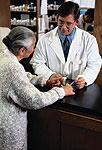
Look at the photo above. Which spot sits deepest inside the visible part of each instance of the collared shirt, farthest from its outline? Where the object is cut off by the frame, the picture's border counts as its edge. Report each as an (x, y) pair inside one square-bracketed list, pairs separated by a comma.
[(70, 36)]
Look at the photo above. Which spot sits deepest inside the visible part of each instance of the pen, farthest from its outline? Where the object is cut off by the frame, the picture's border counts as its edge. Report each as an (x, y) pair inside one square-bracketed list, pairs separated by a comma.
[(72, 83)]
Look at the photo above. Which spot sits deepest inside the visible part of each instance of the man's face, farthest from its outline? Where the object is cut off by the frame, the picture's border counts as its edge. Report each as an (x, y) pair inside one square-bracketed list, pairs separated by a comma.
[(66, 24), (88, 19)]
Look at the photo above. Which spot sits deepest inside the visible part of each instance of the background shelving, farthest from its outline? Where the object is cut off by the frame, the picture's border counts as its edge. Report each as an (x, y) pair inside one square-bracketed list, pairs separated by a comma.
[(24, 13), (52, 11)]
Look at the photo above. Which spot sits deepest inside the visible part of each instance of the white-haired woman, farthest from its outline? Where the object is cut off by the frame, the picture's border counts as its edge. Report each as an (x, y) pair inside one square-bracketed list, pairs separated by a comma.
[(17, 90)]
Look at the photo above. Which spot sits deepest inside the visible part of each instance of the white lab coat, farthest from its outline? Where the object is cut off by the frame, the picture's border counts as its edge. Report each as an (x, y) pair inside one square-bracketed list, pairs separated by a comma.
[(83, 58)]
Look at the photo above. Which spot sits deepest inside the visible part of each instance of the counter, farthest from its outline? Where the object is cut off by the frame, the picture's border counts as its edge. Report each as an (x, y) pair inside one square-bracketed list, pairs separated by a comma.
[(72, 123)]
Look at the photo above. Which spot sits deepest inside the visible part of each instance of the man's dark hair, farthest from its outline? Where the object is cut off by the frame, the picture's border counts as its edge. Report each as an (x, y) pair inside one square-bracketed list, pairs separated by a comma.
[(69, 8), (90, 12)]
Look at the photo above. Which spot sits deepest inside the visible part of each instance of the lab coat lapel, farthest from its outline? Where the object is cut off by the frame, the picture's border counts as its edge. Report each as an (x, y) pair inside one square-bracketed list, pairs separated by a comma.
[(57, 47), (75, 46)]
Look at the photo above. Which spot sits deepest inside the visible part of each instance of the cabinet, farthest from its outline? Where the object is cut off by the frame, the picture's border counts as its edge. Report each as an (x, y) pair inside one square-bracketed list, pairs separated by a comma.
[(52, 129), (73, 123), (23, 13), (52, 11), (27, 12)]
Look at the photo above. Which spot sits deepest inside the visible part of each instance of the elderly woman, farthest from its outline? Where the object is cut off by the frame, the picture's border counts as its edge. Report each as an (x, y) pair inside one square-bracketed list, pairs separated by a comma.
[(17, 90)]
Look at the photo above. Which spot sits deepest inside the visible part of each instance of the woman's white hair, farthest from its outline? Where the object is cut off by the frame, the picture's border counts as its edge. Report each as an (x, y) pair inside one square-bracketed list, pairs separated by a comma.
[(19, 37)]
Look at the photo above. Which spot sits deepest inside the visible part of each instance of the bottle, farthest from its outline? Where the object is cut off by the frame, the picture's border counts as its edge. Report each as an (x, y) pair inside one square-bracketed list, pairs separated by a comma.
[(26, 7)]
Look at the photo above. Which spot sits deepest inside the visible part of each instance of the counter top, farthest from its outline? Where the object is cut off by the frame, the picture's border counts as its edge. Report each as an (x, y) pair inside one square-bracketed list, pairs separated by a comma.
[(78, 116), (87, 100)]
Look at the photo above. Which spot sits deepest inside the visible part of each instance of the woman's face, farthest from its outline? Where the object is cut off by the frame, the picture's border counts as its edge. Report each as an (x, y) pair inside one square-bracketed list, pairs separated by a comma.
[(29, 51)]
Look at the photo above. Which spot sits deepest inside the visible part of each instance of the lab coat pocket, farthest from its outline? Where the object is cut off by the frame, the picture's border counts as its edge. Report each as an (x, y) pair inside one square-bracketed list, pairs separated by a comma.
[(77, 62), (76, 68)]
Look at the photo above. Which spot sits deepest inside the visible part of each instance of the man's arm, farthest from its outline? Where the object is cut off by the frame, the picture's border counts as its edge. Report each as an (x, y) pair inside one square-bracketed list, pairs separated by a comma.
[(94, 62), (39, 61)]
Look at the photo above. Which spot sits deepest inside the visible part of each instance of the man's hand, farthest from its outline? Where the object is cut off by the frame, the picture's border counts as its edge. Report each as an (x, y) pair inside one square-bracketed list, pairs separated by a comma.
[(79, 82), (54, 80)]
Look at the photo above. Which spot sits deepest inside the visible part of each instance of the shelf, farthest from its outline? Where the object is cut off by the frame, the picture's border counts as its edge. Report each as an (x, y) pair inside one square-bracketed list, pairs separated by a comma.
[(52, 21), (52, 9), (23, 25), (23, 11)]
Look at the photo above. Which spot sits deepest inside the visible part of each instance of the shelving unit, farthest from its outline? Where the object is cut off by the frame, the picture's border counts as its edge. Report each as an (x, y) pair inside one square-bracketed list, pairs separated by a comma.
[(25, 13), (20, 10), (52, 11)]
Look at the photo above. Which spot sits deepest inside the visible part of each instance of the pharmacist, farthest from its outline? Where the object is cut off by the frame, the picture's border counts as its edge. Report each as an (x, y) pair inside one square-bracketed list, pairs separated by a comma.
[(68, 50), (86, 20)]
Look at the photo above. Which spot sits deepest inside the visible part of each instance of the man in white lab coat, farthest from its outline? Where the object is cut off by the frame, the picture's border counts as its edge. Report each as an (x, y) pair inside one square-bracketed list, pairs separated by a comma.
[(81, 61), (86, 20)]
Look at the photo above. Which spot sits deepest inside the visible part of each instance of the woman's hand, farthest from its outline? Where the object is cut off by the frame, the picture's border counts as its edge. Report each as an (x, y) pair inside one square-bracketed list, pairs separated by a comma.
[(54, 80), (68, 90)]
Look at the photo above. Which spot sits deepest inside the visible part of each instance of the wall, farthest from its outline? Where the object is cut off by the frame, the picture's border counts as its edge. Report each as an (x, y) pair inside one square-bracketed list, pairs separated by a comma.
[(5, 13), (98, 32), (98, 23)]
